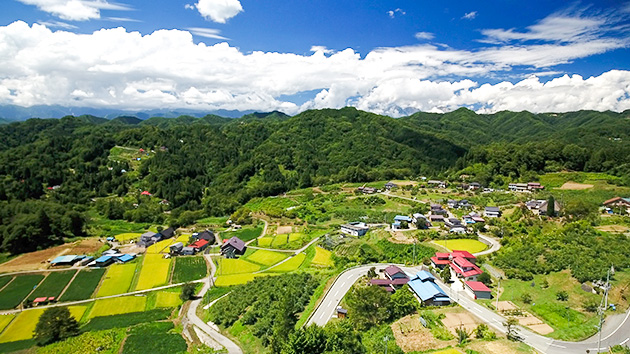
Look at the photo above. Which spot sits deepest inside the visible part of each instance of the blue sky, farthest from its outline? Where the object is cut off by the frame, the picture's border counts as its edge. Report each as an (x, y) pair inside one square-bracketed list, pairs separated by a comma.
[(388, 57)]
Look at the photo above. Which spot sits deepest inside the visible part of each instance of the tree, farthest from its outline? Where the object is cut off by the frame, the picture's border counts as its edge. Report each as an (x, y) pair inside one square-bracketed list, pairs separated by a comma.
[(485, 278), (526, 298), (510, 328), (445, 274), (562, 295), (56, 323), (462, 335), (188, 291), (311, 339), (403, 303), (371, 273), (551, 206), (368, 306)]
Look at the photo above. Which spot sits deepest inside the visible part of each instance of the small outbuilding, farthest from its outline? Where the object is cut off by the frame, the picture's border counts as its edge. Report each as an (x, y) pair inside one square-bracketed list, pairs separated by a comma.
[(478, 290), (176, 248), (103, 261)]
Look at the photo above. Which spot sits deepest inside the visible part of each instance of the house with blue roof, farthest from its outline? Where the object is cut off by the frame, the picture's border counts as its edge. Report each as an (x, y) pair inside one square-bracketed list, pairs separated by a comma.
[(103, 261), (126, 257), (423, 285)]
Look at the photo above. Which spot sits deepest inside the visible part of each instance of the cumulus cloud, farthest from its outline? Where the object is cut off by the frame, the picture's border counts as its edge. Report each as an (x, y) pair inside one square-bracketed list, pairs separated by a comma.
[(424, 35), (75, 10), (167, 69), (393, 13), (218, 10), (470, 15)]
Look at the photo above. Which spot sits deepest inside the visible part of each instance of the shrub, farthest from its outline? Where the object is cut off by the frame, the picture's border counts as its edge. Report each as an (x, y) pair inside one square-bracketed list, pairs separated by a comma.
[(526, 298), (562, 295)]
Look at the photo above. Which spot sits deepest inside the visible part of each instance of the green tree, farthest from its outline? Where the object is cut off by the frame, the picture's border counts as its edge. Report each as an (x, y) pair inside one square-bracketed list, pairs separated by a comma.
[(342, 337), (526, 298), (445, 274), (562, 295), (56, 323), (311, 339), (188, 291), (551, 206), (485, 278), (403, 303), (368, 306), (510, 328)]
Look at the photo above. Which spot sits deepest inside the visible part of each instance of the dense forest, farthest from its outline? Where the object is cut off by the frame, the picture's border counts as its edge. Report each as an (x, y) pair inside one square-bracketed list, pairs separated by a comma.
[(212, 165)]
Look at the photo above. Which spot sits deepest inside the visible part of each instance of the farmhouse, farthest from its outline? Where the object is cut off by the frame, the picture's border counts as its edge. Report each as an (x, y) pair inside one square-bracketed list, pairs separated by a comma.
[(474, 186), (442, 259), (436, 218), (392, 272), (126, 257), (477, 290), (473, 218), (518, 187), (492, 212), (437, 209), (423, 285), (539, 207), (389, 185), (206, 235), (618, 204), (176, 248), (465, 269), (394, 279), (459, 204), (103, 261), (452, 223), (535, 186), (148, 238), (366, 190), (167, 233), (437, 184), (66, 260), (355, 228), (232, 247), (420, 220)]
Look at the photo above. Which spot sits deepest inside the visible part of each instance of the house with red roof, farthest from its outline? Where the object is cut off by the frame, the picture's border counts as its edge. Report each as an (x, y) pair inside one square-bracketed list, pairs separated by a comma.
[(477, 290), (442, 259), (394, 279), (146, 193), (465, 269)]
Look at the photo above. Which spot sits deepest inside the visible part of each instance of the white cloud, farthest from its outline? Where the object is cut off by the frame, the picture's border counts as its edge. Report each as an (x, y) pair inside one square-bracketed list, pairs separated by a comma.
[(76, 10), (122, 19), (424, 35), (166, 69), (57, 24), (392, 13), (218, 10), (322, 49), (470, 15), (206, 32)]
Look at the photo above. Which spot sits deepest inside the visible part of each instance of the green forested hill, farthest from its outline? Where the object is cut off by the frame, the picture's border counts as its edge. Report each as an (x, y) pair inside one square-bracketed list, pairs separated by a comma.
[(214, 164)]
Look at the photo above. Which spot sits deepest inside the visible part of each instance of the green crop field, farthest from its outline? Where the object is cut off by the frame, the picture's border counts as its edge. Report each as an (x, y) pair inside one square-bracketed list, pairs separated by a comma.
[(245, 234), (235, 266), (102, 342), (296, 236), (83, 286), (155, 272), (265, 241), (472, 246), (189, 268), (280, 240), (128, 236), (290, 265), (158, 247), (23, 325), (266, 258), (322, 257), (18, 289), (5, 320), (5, 280), (118, 305), (54, 283), (117, 279), (154, 338), (125, 320), (167, 299)]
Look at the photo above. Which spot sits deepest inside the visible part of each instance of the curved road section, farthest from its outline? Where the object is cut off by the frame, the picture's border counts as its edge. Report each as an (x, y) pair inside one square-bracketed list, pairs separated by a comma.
[(616, 331)]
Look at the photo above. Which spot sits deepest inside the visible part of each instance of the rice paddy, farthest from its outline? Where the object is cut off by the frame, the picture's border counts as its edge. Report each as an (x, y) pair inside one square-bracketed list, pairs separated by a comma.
[(155, 272), (322, 257), (290, 265), (22, 327), (472, 246), (266, 258), (118, 305), (167, 299), (117, 279), (235, 266)]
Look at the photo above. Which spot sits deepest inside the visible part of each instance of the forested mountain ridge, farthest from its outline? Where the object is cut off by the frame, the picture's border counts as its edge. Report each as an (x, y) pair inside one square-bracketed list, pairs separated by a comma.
[(212, 165)]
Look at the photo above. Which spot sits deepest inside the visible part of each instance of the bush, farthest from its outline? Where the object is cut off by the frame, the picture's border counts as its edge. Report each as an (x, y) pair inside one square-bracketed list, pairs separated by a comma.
[(562, 295), (526, 298)]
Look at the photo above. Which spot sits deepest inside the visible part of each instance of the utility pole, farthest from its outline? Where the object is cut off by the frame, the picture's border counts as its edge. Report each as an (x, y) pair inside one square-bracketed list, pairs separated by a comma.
[(386, 340), (602, 308), (498, 290)]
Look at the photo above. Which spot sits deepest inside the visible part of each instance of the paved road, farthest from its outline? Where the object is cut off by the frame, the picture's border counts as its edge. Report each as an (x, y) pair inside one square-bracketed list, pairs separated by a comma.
[(490, 241), (617, 330)]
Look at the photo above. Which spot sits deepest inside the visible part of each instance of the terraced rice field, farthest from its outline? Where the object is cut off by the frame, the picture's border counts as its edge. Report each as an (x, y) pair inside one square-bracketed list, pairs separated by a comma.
[(22, 327), (322, 257), (117, 279), (5, 320), (290, 265), (13, 294), (265, 241), (167, 299), (236, 279), (472, 246), (159, 247), (126, 237), (83, 286), (280, 240), (155, 272), (266, 258), (118, 305), (236, 266), (189, 268), (54, 283)]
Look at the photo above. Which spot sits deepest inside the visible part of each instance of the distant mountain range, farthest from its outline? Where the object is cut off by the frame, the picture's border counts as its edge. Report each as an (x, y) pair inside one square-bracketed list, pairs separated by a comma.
[(12, 113)]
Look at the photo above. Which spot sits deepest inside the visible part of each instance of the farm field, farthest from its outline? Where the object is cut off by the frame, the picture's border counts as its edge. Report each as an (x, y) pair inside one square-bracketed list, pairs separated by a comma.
[(102, 342), (5, 320), (23, 325), (13, 294), (38, 260), (236, 279), (245, 234), (235, 266), (290, 265), (158, 247), (322, 257), (83, 286), (266, 258), (117, 279), (472, 246), (265, 241), (5, 280), (155, 272), (285, 241), (54, 283), (127, 236), (118, 305), (167, 299), (189, 268)]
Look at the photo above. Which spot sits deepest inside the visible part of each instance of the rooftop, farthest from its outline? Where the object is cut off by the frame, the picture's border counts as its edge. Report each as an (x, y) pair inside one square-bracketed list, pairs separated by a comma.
[(477, 286)]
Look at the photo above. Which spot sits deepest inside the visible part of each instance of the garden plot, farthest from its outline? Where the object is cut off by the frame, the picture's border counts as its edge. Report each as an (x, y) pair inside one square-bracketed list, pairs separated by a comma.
[(16, 291), (290, 265), (83, 285), (54, 283)]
